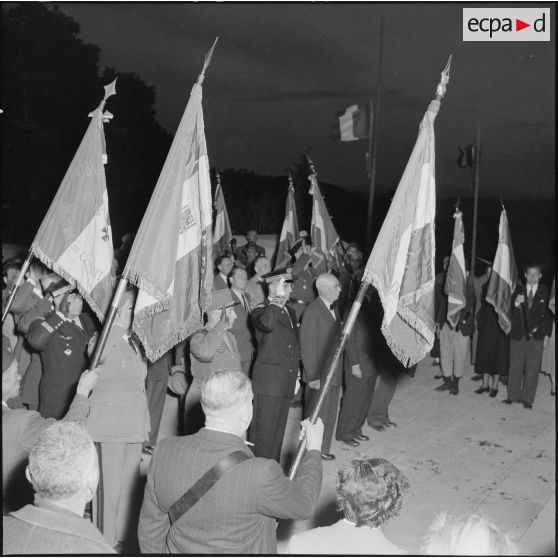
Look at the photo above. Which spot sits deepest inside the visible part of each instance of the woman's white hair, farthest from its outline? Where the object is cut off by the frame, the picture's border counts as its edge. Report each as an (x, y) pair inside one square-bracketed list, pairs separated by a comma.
[(61, 461), (225, 391), (469, 534)]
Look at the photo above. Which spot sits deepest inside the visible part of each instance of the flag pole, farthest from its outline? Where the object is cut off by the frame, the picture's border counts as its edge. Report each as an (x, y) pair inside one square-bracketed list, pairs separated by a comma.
[(373, 136), (475, 201), (18, 283), (349, 324)]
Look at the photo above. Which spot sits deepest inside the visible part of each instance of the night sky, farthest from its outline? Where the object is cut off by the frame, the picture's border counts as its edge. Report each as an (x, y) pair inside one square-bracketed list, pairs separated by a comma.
[(281, 72)]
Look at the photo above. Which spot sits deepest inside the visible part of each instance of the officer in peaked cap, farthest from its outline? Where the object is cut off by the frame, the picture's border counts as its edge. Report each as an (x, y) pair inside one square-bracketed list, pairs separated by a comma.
[(303, 276), (275, 370)]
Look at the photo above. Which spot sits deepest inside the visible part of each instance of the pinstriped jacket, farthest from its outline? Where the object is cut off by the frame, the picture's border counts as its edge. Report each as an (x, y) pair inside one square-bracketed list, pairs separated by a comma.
[(237, 515)]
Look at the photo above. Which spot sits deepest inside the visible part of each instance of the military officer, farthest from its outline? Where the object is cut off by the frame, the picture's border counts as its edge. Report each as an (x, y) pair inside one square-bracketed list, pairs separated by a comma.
[(303, 275), (275, 370), (212, 349)]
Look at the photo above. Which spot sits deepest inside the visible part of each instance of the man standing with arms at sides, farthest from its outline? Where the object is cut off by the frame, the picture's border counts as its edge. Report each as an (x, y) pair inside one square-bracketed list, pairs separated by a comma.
[(241, 328), (224, 266), (238, 496), (319, 334), (255, 287), (529, 304), (276, 366)]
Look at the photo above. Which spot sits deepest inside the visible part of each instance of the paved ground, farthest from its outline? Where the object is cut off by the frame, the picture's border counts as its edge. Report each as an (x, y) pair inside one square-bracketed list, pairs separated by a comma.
[(465, 452)]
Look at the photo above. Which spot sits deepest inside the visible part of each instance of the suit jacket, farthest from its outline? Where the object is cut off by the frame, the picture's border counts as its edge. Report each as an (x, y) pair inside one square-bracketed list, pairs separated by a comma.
[(276, 366), (535, 317), (48, 529), (242, 328), (20, 430), (362, 345), (319, 335), (237, 515), (342, 538), (219, 283), (210, 353), (118, 405)]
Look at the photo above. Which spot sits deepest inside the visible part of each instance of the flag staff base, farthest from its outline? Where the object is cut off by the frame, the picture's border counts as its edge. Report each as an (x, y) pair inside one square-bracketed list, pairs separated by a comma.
[(18, 283), (355, 308), (109, 321)]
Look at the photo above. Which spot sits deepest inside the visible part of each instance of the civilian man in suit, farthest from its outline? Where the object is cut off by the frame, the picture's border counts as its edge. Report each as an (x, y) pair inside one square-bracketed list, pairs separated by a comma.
[(276, 366), (213, 348), (319, 334), (369, 492), (242, 327), (224, 266), (238, 514), (21, 429), (529, 304), (64, 473)]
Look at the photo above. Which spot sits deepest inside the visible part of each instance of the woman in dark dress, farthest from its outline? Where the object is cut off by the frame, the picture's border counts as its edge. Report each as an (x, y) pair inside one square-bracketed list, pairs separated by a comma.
[(493, 348)]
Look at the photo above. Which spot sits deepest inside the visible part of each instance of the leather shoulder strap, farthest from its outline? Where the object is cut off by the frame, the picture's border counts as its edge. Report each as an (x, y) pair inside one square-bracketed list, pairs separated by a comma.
[(202, 485)]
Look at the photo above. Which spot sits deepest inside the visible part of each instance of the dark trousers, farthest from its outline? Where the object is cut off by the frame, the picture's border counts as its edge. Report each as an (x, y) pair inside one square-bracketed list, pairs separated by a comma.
[(268, 425), (156, 383), (383, 394), (328, 412), (525, 366), (354, 405)]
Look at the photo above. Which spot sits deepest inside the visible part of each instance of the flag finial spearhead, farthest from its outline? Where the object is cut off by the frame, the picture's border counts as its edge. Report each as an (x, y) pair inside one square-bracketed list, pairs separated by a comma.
[(207, 62), (110, 90), (217, 177), (290, 180), (444, 80)]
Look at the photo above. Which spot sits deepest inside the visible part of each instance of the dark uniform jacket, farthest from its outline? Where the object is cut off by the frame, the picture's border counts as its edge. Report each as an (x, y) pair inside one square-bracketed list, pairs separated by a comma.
[(304, 277), (319, 335), (237, 515), (276, 367), (63, 348), (242, 328), (533, 318)]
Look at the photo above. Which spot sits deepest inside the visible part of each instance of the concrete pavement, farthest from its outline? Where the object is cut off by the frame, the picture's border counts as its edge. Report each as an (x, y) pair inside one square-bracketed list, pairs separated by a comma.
[(465, 452)]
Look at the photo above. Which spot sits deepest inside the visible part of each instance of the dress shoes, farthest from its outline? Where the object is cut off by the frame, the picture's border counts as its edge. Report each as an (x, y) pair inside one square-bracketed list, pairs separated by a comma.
[(493, 393), (527, 405), (507, 401), (482, 390), (378, 427), (328, 456), (352, 443), (388, 423), (476, 377), (362, 438)]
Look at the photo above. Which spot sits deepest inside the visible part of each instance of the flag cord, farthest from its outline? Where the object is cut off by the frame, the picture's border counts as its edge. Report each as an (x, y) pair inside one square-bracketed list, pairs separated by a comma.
[(347, 329)]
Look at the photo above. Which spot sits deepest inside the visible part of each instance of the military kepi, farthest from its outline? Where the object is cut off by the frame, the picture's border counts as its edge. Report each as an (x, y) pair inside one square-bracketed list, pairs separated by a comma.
[(222, 297), (277, 274)]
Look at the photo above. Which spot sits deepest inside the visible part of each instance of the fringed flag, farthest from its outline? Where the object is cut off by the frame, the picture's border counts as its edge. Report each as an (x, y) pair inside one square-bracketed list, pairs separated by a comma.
[(75, 238), (503, 279), (401, 265), (322, 232), (456, 277), (222, 233), (171, 259), (289, 231)]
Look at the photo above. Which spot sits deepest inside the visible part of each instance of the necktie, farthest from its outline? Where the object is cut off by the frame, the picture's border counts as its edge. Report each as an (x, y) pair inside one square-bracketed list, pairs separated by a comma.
[(245, 302), (530, 297)]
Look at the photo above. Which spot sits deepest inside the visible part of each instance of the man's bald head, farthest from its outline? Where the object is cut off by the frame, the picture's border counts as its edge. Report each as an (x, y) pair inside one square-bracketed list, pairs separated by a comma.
[(328, 287)]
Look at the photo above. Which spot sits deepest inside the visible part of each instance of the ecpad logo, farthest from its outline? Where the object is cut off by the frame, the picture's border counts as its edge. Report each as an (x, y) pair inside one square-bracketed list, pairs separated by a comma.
[(506, 24)]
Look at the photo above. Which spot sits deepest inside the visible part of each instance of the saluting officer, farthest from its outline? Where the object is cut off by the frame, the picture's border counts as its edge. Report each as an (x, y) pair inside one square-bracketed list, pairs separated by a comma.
[(276, 366)]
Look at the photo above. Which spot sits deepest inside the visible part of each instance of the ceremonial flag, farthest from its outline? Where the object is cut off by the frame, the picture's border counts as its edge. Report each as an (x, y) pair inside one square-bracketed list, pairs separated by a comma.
[(352, 124), (503, 279), (322, 232), (401, 265), (456, 275), (75, 238), (289, 232), (222, 233), (171, 259)]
